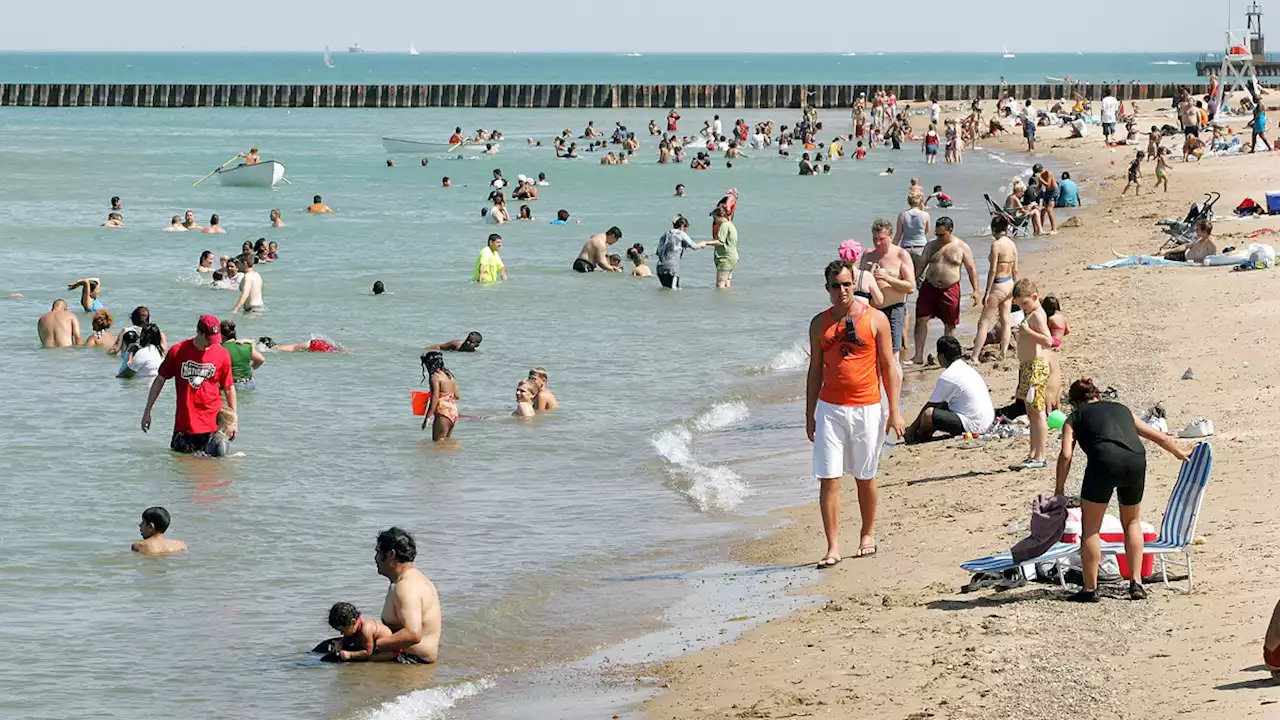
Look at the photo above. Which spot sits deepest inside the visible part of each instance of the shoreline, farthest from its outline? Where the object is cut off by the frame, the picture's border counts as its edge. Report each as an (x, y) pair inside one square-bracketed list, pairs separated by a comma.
[(893, 633)]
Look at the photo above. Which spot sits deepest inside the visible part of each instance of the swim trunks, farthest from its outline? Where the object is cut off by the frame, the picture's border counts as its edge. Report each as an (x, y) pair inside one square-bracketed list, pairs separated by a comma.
[(1108, 129), (942, 304), (404, 658), (668, 280), (188, 443), (1033, 383), (847, 438), (897, 314), (583, 266), (319, 345)]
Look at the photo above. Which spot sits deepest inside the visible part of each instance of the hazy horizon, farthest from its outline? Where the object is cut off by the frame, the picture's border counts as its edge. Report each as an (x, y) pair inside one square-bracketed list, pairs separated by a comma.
[(581, 26)]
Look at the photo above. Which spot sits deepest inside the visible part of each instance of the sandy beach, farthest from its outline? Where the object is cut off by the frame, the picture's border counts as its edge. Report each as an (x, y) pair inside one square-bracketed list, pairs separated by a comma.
[(893, 638)]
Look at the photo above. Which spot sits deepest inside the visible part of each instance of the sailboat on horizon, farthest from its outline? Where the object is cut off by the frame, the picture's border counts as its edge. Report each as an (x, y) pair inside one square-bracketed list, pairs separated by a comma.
[(1008, 55), (328, 61), (412, 49)]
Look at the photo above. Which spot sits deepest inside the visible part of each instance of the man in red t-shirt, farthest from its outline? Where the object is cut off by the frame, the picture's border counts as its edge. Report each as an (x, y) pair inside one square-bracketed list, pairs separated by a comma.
[(202, 370)]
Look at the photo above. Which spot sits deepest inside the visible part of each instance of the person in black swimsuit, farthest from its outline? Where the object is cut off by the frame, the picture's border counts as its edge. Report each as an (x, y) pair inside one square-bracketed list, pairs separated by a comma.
[(1111, 437)]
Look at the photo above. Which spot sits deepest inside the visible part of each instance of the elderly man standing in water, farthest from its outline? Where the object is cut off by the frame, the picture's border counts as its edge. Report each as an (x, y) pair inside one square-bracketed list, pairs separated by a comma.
[(412, 607), (59, 327)]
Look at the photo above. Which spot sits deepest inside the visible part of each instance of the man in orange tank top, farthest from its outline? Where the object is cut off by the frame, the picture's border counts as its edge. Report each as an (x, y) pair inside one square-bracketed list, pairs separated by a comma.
[(851, 355)]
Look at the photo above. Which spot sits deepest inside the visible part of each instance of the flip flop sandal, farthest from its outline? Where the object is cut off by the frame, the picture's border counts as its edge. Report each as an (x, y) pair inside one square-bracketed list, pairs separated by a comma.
[(867, 551), (828, 562)]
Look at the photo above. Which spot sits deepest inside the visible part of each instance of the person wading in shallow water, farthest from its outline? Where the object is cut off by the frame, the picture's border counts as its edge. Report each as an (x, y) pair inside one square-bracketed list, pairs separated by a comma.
[(850, 357)]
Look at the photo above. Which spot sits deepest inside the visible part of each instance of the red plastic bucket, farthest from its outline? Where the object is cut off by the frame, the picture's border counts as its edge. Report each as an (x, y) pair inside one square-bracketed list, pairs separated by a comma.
[(420, 401)]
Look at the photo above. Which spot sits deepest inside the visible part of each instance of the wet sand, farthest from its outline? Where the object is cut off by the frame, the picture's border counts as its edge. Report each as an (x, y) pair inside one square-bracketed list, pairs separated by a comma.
[(894, 639)]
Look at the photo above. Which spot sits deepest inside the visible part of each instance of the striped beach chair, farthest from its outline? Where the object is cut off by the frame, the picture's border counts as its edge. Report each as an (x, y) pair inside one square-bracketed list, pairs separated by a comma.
[(1058, 555), (1178, 529)]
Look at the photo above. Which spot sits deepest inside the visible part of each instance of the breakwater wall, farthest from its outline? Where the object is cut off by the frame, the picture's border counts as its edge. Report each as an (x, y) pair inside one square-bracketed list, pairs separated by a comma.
[(539, 96)]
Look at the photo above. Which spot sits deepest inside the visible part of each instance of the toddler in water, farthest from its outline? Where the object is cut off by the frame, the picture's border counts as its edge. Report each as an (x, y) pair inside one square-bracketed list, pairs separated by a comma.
[(636, 254), (940, 197), (219, 444), (358, 632)]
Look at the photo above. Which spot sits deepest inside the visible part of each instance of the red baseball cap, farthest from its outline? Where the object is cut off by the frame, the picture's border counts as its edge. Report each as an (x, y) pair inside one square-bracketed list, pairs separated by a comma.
[(209, 326)]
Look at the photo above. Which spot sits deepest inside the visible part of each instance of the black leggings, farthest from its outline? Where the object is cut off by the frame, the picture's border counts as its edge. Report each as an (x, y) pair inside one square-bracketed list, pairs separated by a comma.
[(1114, 471)]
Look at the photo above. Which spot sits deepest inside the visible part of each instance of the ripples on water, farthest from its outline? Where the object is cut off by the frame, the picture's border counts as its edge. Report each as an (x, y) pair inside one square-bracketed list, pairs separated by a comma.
[(680, 410)]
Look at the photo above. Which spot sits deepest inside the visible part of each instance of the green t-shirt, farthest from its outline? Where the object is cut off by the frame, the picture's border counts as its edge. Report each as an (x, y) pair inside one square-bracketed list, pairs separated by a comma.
[(241, 359), (727, 254)]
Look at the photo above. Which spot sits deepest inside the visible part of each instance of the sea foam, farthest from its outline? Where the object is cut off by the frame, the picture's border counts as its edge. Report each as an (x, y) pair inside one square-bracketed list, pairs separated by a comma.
[(713, 488), (429, 703)]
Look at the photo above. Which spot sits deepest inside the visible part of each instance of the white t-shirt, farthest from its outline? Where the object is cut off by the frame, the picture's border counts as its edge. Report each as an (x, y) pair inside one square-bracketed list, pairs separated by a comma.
[(717, 127), (965, 393), (935, 113), (1110, 108), (145, 362)]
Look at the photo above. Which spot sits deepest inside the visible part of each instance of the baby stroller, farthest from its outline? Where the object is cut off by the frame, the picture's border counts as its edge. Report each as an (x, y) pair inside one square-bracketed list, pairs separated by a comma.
[(1019, 225), (1183, 231)]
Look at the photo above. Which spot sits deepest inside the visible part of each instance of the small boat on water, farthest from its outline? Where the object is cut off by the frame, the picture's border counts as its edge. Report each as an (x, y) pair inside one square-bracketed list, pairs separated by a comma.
[(413, 50), (328, 61), (1008, 55), (263, 174), (355, 48), (395, 145)]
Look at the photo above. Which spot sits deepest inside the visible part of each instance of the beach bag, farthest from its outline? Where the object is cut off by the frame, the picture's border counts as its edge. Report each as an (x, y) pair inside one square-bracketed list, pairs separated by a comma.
[(1247, 207), (1262, 255)]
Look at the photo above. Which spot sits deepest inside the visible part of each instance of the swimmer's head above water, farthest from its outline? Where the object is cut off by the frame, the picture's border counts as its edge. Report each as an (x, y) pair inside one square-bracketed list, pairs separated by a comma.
[(345, 618), (378, 287), (471, 342), (155, 520)]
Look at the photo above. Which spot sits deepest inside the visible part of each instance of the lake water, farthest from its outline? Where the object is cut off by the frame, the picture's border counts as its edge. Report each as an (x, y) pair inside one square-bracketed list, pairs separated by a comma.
[(622, 67), (680, 426)]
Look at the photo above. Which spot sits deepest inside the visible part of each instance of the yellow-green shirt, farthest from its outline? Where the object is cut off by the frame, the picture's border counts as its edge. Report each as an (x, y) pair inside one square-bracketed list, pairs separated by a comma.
[(489, 266)]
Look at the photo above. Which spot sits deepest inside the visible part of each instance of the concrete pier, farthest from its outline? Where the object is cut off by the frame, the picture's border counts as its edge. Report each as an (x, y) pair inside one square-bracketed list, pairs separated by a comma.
[(540, 96)]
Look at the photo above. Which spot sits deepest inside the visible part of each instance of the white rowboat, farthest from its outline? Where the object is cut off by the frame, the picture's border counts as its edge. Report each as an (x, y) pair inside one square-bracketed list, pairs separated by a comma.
[(394, 145), (264, 174)]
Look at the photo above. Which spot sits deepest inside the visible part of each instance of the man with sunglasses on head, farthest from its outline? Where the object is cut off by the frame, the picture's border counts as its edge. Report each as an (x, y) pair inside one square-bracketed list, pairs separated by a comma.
[(939, 296), (851, 356)]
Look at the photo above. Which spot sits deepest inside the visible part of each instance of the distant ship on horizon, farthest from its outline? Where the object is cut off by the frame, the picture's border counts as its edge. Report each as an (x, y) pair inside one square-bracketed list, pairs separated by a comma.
[(355, 48)]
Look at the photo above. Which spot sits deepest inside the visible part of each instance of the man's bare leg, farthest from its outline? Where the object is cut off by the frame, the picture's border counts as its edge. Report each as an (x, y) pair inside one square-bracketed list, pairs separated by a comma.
[(921, 334), (948, 330), (829, 504), (868, 496)]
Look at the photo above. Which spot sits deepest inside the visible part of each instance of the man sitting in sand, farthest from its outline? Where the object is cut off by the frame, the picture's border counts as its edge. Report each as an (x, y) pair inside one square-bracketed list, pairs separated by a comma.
[(467, 344), (595, 253), (411, 608), (155, 521), (939, 296), (175, 225), (543, 400), (317, 206), (59, 327), (1202, 247), (960, 402)]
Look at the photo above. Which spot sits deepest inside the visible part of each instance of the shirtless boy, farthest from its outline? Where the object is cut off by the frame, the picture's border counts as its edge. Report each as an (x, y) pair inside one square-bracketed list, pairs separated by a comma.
[(595, 253), (894, 271), (1034, 341), (318, 207), (543, 400), (155, 521), (59, 327), (250, 288), (360, 634), (941, 263), (411, 609), (997, 300)]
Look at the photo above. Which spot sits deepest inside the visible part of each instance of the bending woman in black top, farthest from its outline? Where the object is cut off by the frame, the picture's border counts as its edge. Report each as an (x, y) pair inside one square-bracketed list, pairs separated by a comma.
[(1109, 434)]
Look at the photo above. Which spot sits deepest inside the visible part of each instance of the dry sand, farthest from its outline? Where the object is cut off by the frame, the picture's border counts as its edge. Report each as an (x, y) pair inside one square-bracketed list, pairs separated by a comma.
[(894, 639)]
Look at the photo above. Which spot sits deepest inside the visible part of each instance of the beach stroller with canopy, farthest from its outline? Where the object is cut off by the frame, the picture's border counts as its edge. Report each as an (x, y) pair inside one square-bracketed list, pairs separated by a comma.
[(1019, 225)]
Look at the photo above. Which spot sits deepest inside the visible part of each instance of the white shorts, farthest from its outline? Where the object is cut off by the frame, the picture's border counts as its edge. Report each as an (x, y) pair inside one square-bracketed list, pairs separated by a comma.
[(847, 438)]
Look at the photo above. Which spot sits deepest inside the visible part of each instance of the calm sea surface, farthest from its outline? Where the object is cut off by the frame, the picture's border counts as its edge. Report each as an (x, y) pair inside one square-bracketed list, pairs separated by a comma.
[(680, 424), (658, 68)]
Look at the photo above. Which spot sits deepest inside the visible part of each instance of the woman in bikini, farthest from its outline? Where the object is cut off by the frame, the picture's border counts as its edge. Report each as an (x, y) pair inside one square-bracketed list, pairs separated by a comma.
[(444, 396), (1058, 329), (997, 303)]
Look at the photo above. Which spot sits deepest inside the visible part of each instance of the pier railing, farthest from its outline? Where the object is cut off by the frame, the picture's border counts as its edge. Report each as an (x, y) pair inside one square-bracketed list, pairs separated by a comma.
[(542, 96)]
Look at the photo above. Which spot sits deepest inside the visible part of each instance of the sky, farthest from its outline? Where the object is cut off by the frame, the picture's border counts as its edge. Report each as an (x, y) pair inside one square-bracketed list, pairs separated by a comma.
[(601, 26)]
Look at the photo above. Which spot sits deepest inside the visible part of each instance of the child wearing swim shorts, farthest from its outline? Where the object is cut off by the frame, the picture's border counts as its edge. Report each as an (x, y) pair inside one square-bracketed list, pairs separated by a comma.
[(1034, 341), (359, 633)]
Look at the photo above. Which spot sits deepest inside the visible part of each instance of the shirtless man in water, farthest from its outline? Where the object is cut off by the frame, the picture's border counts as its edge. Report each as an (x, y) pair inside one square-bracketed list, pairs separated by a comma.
[(189, 221), (940, 265), (543, 399), (59, 327), (318, 207), (595, 253), (412, 607), (997, 301), (895, 272), (250, 288)]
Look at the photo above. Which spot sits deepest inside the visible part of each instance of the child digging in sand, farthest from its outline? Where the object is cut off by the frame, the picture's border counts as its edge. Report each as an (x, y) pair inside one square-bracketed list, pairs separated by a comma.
[(1034, 341), (360, 633)]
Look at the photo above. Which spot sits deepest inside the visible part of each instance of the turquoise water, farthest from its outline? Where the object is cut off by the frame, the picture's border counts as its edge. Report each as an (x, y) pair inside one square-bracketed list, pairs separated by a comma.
[(657, 68), (680, 423)]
